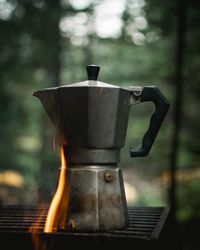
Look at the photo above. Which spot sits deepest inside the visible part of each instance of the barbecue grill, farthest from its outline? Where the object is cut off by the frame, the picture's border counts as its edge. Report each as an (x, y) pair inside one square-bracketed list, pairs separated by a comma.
[(149, 228)]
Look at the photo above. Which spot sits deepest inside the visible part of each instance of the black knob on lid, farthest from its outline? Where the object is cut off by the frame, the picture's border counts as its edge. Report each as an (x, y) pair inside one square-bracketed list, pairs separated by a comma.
[(93, 72)]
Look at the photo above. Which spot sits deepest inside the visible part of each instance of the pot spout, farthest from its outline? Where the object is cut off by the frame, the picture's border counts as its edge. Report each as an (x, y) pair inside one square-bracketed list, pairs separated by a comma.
[(48, 100)]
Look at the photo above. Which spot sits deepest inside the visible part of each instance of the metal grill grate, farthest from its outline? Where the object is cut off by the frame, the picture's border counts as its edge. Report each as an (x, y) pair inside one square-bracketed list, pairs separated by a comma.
[(145, 222), (145, 225)]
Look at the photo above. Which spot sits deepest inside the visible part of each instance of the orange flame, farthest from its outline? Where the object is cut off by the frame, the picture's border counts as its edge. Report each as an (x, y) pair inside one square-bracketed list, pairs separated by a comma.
[(35, 228), (56, 216)]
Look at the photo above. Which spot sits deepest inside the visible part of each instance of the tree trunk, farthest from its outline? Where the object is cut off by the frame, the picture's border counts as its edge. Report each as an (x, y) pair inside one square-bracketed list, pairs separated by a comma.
[(178, 101), (53, 49)]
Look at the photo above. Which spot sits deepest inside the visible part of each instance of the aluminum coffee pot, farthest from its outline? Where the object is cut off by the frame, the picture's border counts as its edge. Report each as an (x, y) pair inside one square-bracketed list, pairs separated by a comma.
[(92, 118)]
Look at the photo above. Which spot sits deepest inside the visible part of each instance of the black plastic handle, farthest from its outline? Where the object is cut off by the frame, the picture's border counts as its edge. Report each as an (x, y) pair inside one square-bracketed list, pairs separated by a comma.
[(154, 95)]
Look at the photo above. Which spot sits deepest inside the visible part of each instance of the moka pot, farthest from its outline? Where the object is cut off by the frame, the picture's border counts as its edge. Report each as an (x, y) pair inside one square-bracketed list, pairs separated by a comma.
[(92, 118)]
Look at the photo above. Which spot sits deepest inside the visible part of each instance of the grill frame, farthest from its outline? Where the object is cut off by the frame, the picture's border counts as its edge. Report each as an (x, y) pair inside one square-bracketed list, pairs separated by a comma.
[(146, 229)]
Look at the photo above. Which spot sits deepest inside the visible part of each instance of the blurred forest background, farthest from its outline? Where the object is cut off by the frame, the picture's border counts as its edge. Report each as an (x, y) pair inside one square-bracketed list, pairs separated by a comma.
[(136, 42)]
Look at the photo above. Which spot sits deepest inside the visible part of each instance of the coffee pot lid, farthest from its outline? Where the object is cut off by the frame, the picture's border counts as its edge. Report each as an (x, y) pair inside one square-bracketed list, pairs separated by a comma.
[(92, 73)]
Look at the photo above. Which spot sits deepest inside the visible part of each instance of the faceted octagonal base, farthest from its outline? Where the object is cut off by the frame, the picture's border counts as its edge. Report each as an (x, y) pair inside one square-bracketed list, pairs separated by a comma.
[(96, 198)]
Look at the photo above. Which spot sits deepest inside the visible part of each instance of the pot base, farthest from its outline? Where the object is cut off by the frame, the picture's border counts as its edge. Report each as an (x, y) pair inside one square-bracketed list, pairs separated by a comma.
[(97, 199)]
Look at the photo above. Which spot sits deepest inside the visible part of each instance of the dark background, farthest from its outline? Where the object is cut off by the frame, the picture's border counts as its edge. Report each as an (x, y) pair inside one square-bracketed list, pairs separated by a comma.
[(136, 42)]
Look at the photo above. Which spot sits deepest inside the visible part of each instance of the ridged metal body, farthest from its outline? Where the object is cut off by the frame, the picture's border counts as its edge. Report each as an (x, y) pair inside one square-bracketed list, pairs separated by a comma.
[(99, 204), (92, 119)]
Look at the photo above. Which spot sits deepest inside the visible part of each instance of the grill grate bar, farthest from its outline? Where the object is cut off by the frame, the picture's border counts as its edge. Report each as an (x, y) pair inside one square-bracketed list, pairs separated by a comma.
[(144, 222)]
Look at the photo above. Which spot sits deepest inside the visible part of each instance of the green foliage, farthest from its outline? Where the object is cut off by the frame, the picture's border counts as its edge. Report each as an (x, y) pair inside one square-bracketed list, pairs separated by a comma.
[(36, 54)]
